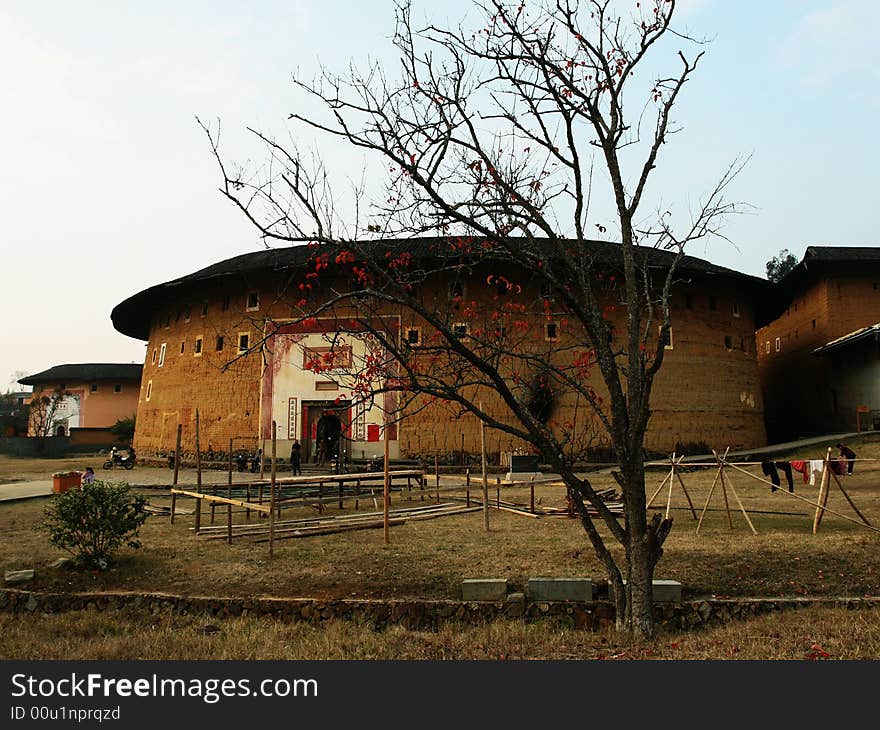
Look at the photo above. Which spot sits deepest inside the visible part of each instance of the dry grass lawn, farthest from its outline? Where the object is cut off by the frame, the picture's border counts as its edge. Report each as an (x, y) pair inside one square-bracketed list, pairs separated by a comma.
[(816, 633), (429, 559)]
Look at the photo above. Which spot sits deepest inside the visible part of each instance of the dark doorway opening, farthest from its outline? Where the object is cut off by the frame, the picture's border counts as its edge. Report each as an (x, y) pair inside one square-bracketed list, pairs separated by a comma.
[(325, 430)]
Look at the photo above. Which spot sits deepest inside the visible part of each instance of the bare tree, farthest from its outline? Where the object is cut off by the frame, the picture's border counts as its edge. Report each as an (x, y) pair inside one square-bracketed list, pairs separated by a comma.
[(493, 142), (43, 412)]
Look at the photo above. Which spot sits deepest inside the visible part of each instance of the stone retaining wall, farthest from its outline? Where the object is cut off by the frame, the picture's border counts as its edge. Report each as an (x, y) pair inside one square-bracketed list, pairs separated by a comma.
[(412, 614)]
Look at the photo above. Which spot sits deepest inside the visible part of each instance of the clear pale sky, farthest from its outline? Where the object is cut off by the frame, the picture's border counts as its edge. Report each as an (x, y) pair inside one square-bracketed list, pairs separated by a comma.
[(108, 185)]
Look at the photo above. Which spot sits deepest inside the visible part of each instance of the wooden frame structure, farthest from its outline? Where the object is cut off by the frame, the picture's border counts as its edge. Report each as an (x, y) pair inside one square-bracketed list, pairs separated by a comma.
[(722, 464)]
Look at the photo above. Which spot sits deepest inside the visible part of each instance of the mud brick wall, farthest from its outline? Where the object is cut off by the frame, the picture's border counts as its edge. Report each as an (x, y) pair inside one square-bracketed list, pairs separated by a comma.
[(796, 384), (707, 391)]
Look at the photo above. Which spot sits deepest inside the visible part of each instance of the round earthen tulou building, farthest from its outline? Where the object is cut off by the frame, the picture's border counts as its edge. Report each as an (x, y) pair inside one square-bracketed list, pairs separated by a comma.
[(224, 341)]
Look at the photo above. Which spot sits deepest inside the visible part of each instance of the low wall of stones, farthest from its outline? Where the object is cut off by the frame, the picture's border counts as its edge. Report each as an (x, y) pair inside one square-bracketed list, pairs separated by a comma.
[(412, 614)]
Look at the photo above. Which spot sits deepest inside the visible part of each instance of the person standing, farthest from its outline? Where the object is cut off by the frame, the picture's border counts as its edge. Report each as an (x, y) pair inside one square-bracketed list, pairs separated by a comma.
[(848, 454), (295, 458)]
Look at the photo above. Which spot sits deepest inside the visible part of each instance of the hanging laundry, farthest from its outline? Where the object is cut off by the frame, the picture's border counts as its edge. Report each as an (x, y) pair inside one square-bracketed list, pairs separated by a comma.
[(768, 468), (816, 466), (802, 467), (785, 467)]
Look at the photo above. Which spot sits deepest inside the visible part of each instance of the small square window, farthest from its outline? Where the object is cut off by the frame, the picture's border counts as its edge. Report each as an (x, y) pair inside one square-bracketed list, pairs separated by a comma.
[(326, 385), (736, 309), (413, 336), (182, 346), (253, 301), (117, 388), (767, 347), (243, 342), (187, 314), (162, 354), (460, 329), (670, 345), (546, 290), (197, 348), (167, 321), (153, 360), (814, 324), (149, 389), (93, 388), (225, 304), (218, 345), (551, 331), (204, 309), (778, 345)]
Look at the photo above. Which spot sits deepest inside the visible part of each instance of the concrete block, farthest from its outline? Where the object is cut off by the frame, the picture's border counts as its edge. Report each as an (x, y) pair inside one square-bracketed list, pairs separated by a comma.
[(529, 476), (560, 589), (665, 591), (484, 589)]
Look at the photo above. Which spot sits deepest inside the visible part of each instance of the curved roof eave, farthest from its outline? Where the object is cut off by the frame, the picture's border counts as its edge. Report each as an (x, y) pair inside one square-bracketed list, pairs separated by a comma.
[(132, 316)]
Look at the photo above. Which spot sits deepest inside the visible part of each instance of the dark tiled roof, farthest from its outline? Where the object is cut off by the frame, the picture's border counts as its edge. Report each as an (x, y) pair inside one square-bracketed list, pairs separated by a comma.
[(849, 339), (132, 316), (816, 261), (842, 253), (86, 372)]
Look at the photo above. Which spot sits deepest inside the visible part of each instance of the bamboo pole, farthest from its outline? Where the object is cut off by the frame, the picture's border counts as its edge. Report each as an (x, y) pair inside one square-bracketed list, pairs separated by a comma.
[(271, 495), (386, 488), (851, 503), (803, 499), (671, 482), (176, 467), (485, 477), (741, 508), (688, 496), (823, 491), (532, 495), (176, 464), (229, 472), (198, 496), (712, 488), (198, 455), (658, 490)]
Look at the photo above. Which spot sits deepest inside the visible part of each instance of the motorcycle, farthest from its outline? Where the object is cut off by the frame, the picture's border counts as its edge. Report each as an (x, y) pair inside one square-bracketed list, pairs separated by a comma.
[(115, 460)]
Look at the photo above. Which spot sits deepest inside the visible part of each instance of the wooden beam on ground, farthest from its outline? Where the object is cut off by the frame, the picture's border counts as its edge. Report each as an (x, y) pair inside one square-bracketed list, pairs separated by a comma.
[(199, 496)]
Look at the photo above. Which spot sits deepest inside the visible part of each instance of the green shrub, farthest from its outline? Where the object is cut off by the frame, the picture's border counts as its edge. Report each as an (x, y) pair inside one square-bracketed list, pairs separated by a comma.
[(94, 522)]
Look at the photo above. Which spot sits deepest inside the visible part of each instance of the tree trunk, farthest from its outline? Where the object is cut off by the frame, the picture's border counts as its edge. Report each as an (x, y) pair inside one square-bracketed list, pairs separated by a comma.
[(644, 547)]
